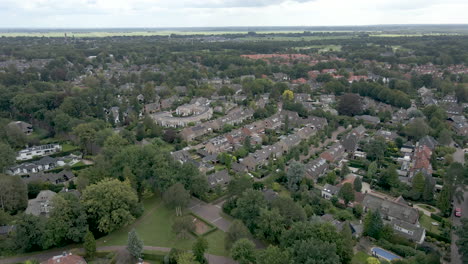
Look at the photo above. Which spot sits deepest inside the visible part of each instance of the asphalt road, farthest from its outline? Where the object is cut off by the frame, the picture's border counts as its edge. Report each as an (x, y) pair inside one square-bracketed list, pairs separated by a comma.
[(458, 156)]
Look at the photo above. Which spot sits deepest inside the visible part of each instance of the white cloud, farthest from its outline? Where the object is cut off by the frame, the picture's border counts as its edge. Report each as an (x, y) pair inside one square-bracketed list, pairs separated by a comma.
[(212, 13)]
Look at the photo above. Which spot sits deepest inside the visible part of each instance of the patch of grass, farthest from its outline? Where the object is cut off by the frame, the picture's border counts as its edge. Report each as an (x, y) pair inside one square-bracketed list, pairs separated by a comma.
[(426, 222), (155, 229), (360, 258), (68, 147)]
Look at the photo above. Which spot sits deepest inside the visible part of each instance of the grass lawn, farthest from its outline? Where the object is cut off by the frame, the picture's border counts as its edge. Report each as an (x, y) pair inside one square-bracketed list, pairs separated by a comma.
[(68, 147), (360, 258), (426, 222), (155, 229)]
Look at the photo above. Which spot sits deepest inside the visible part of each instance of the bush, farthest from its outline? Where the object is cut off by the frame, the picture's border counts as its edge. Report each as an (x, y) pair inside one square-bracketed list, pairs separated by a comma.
[(438, 218), (401, 250), (438, 237)]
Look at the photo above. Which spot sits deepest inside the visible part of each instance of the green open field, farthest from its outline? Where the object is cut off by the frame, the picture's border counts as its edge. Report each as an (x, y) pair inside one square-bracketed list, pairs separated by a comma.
[(321, 48), (155, 229), (93, 34)]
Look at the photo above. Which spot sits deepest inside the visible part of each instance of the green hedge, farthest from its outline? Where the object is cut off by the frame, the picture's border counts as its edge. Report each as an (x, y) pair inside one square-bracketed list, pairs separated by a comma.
[(438, 237), (154, 256), (438, 218)]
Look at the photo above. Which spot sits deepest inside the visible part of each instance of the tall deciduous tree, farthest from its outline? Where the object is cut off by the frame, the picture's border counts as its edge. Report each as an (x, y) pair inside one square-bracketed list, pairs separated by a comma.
[(67, 221), (294, 175), (273, 255), (176, 196), (270, 225), (248, 207), (183, 226), (243, 251), (199, 249), (236, 231), (109, 204), (347, 192), (7, 156), (350, 104)]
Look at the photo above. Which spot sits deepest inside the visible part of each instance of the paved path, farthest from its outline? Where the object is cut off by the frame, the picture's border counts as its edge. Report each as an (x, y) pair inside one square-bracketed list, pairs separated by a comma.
[(459, 156), (210, 212), (425, 211), (43, 256)]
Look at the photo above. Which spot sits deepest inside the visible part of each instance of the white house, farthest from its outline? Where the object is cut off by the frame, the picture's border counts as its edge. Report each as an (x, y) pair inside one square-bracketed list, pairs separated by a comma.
[(38, 151)]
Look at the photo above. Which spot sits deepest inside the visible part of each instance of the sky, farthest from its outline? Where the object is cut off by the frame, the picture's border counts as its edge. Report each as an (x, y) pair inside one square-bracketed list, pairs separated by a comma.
[(224, 13)]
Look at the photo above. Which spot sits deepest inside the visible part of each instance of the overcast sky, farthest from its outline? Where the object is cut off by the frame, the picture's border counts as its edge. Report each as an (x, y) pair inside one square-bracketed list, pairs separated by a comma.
[(216, 13)]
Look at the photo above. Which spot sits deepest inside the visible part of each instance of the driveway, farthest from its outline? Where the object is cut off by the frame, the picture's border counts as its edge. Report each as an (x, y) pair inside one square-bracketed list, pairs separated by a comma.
[(459, 156), (210, 212)]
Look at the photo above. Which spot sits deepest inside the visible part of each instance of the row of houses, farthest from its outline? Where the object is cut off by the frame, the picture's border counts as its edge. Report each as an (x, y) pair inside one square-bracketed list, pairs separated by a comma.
[(268, 153), (38, 151), (43, 164), (234, 117)]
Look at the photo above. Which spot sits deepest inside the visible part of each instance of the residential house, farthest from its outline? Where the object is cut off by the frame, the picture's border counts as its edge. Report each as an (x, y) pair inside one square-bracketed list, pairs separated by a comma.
[(328, 191), (390, 209), (54, 178), (429, 142), (38, 151), (368, 119), (316, 168), (45, 163), (387, 135), (152, 108), (412, 232), (42, 204), (220, 178), (24, 127), (334, 153)]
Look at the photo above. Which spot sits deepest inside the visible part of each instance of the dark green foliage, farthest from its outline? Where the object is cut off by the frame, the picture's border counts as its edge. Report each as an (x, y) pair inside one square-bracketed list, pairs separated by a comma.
[(350, 104), (89, 245), (243, 251), (373, 224), (199, 248), (236, 231)]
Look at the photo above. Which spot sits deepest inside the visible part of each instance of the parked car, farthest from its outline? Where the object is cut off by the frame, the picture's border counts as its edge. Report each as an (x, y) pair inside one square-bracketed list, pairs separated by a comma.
[(458, 212)]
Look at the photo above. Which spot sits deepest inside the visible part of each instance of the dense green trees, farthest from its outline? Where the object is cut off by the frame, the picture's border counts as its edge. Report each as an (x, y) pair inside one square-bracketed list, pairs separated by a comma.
[(176, 196), (7, 156), (13, 194), (462, 242), (347, 192), (373, 224), (110, 204), (243, 251), (236, 231), (67, 222), (349, 104)]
